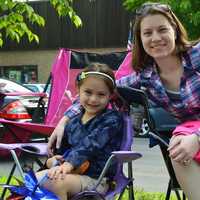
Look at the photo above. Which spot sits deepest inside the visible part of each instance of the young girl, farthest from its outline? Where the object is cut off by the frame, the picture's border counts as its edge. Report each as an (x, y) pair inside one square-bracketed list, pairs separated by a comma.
[(91, 136)]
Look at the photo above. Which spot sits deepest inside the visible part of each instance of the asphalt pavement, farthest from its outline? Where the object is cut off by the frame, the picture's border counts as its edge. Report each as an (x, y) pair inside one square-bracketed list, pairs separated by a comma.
[(149, 171)]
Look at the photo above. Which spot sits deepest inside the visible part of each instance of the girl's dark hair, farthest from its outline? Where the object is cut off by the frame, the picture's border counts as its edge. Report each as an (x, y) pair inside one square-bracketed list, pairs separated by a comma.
[(99, 67), (140, 57)]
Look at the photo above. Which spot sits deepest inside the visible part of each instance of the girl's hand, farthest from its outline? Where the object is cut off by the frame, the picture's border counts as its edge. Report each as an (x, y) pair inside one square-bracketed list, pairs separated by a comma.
[(182, 148), (66, 168), (54, 172), (60, 171), (51, 161)]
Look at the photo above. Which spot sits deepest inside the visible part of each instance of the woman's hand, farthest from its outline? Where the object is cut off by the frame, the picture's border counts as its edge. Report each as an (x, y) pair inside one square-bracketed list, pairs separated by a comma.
[(56, 136), (60, 171), (182, 148)]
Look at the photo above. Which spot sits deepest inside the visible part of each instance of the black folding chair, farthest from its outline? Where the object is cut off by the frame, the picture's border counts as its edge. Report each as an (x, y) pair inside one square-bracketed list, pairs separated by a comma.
[(161, 124)]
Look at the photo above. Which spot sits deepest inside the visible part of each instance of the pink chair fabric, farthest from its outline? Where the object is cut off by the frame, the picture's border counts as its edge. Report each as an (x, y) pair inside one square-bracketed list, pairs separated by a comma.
[(125, 68)]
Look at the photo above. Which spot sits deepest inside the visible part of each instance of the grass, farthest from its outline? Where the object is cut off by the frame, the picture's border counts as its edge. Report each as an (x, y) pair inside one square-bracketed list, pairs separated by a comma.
[(3, 180), (140, 194)]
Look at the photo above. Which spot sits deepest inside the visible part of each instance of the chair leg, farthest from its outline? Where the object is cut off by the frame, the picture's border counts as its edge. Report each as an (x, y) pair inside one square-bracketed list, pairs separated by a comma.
[(121, 194), (130, 176), (39, 162), (184, 197), (177, 194), (8, 180), (168, 190)]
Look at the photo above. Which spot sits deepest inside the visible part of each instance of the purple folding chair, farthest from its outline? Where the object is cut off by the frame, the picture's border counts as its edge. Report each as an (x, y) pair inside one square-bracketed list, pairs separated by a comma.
[(67, 65), (120, 181)]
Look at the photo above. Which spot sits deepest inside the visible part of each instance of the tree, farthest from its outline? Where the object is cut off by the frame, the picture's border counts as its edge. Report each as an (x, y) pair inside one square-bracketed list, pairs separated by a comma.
[(15, 18), (188, 11)]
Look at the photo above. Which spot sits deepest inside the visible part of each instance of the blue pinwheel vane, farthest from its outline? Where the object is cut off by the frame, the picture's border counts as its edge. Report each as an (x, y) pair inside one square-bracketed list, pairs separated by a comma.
[(31, 189)]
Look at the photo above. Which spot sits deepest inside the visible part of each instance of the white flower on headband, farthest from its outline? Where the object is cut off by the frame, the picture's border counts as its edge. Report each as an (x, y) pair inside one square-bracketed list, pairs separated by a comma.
[(82, 75)]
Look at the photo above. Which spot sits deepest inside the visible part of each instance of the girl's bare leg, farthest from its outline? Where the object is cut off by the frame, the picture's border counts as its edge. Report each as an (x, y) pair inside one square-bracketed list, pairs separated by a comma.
[(70, 184), (189, 178)]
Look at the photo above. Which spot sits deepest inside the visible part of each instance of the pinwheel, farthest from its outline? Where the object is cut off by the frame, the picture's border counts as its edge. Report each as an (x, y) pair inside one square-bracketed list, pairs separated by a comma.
[(31, 189)]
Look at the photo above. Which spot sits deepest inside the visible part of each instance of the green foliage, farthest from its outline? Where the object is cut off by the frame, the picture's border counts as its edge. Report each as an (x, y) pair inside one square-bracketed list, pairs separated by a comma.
[(188, 11), (16, 16), (3, 179), (65, 8), (140, 194)]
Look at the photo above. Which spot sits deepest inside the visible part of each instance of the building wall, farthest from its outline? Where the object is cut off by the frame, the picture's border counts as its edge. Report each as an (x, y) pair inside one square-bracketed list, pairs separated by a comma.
[(42, 58)]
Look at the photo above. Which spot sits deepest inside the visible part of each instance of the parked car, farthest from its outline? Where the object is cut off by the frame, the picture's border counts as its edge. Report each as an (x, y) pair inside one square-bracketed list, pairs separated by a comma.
[(18, 108), (37, 87)]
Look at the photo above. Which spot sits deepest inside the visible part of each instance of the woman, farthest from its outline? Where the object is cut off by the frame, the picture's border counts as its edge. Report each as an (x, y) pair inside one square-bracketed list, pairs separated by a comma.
[(167, 64)]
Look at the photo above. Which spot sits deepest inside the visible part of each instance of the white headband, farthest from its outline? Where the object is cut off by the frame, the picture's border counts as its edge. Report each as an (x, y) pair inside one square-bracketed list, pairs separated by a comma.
[(83, 75)]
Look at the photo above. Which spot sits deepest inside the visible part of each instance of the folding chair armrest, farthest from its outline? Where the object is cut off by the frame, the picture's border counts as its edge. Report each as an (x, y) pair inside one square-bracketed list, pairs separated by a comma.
[(121, 156), (126, 156), (163, 120), (32, 148), (162, 127)]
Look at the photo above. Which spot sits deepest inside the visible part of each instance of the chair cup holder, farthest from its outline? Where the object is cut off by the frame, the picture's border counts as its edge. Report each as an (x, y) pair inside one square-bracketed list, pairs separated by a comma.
[(30, 149)]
